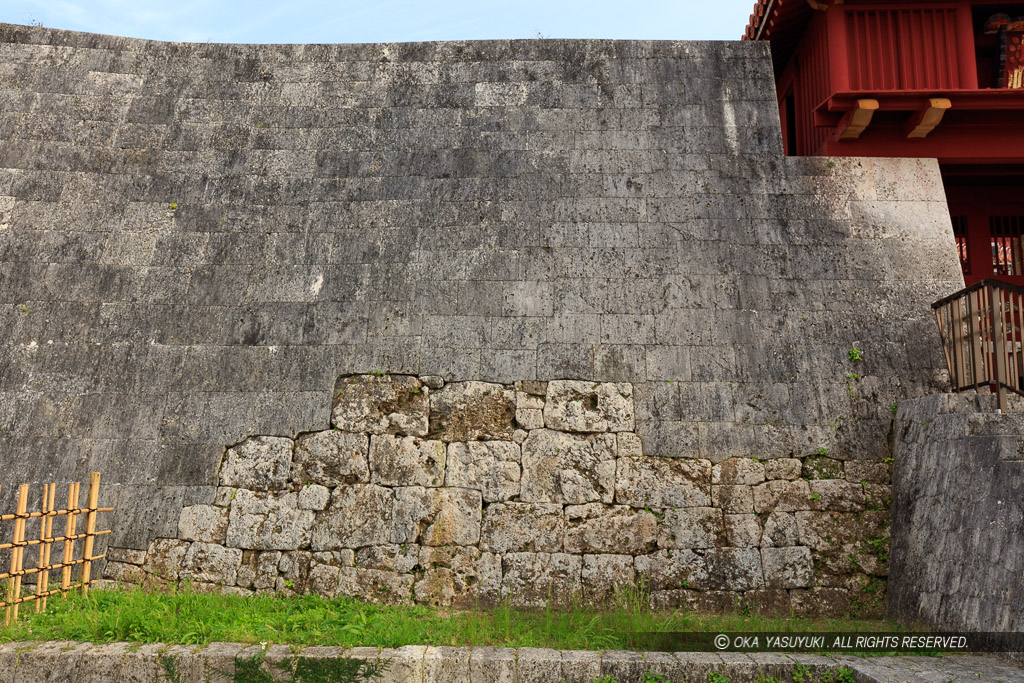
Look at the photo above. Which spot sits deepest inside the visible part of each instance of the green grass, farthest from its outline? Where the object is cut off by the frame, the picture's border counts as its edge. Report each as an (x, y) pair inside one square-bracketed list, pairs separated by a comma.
[(183, 616)]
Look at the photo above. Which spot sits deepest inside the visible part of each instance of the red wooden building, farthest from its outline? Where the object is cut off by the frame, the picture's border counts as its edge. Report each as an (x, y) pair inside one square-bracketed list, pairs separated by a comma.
[(909, 78)]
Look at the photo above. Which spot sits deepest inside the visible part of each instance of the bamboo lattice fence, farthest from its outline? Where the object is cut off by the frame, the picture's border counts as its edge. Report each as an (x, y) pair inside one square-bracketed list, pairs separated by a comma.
[(11, 599)]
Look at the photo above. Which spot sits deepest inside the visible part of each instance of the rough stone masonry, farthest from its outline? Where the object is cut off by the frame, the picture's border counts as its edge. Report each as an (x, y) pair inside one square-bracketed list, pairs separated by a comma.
[(196, 240)]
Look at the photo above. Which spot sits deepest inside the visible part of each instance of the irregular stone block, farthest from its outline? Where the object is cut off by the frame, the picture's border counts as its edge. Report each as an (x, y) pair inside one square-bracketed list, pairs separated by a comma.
[(164, 557), (268, 521), (837, 495), (492, 665), (211, 563), (519, 527), (314, 497), (788, 567), (662, 482), (358, 515), (529, 419), (782, 496), (604, 576), (391, 404), (258, 570), (540, 579), (671, 570), (406, 461), (692, 528), (205, 523), (629, 445), (568, 468), (597, 528), (734, 569), (867, 471), (392, 557), (324, 580), (743, 531), (733, 499), (780, 530), (576, 406), (738, 471), (331, 458), (375, 585), (821, 602), (491, 467), (822, 467), (261, 463), (443, 516), (472, 411), (782, 468)]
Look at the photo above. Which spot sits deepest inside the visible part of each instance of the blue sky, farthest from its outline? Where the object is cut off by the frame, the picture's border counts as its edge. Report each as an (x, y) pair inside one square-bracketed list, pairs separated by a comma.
[(347, 21)]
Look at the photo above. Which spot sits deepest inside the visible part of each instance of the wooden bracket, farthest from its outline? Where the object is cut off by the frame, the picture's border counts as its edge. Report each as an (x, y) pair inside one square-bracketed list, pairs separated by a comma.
[(926, 118), (857, 119)]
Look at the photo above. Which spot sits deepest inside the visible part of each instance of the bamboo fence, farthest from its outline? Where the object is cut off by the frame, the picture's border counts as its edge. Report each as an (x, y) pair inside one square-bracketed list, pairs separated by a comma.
[(11, 599)]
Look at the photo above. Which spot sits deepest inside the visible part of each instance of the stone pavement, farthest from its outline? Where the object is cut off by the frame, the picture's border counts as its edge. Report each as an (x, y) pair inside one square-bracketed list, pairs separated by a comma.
[(127, 662)]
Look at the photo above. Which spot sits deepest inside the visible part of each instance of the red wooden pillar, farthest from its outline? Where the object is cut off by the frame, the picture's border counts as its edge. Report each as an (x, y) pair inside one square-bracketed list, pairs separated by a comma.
[(838, 53), (968, 72)]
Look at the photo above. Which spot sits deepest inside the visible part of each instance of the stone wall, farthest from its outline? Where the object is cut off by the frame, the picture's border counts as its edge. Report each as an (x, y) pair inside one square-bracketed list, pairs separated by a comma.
[(958, 515), (535, 493), (196, 240)]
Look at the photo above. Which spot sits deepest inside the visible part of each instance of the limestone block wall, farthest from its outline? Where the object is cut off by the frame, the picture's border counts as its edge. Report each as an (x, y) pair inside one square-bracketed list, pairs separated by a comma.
[(197, 240), (958, 514), (534, 493)]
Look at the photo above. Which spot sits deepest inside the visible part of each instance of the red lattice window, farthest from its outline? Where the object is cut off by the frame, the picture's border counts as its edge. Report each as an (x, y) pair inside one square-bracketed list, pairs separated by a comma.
[(1007, 253)]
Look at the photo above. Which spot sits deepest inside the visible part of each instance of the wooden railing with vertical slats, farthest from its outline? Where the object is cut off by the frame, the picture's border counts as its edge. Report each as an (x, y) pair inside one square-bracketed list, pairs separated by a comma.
[(13, 597), (980, 328)]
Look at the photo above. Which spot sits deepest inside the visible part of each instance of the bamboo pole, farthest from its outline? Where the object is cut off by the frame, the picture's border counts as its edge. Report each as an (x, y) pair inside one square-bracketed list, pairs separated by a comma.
[(43, 582), (40, 563), (90, 528), (69, 537), (18, 552)]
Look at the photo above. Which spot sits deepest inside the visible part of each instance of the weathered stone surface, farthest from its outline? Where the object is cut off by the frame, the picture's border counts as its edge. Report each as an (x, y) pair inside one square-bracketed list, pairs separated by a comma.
[(782, 496), (164, 557), (375, 585), (206, 523), (451, 575), (788, 567), (262, 463), (314, 497), (539, 579), (822, 467), (735, 569), (390, 404), (520, 527), (259, 570), (692, 528), (733, 499), (604, 576), (662, 482), (529, 419), (406, 461), (211, 563), (629, 445), (392, 557), (445, 516), (867, 471), (331, 458), (491, 467), (782, 468), (738, 471), (598, 528), (576, 406), (358, 515), (568, 468), (820, 602), (780, 529), (743, 531), (472, 411), (836, 494), (671, 569), (268, 521)]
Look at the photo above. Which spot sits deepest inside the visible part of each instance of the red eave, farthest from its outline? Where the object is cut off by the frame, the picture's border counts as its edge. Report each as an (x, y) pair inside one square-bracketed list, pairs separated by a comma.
[(911, 100)]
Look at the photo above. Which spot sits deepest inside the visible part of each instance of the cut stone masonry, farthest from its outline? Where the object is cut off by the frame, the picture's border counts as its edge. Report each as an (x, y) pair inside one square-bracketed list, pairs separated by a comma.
[(534, 493)]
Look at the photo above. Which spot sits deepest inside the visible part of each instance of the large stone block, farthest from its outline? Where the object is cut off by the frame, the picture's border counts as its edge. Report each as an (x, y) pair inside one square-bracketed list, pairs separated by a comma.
[(472, 411), (672, 569), (389, 404), (491, 467), (359, 515), (520, 527), (692, 528), (444, 516), (206, 523), (663, 482), (210, 563), (268, 521), (541, 579), (568, 468), (406, 461), (606, 576), (598, 528), (261, 463), (788, 567), (576, 406), (331, 458), (375, 585), (734, 569)]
